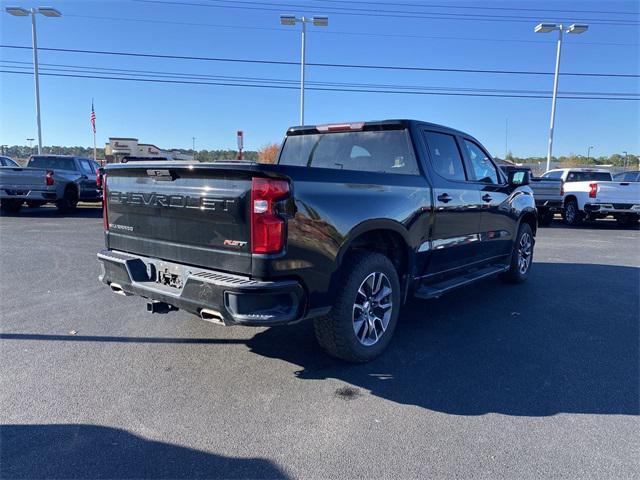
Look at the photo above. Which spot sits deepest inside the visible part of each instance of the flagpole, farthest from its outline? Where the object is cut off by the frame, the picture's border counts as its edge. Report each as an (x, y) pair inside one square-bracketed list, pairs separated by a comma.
[(95, 151)]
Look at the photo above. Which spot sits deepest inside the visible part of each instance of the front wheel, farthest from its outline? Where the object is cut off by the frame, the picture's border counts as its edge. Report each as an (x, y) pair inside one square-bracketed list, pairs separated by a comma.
[(545, 218), (627, 219), (365, 311), (521, 257)]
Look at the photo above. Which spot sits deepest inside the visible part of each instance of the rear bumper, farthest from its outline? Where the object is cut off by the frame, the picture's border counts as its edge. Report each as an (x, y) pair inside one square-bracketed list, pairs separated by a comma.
[(18, 193), (609, 208), (226, 298)]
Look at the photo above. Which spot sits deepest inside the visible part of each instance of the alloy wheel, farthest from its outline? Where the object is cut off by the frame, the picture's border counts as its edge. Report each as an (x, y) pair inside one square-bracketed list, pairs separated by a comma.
[(372, 308)]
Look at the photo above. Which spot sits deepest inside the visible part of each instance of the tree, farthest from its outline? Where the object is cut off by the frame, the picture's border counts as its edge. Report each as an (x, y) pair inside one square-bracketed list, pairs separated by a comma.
[(268, 153)]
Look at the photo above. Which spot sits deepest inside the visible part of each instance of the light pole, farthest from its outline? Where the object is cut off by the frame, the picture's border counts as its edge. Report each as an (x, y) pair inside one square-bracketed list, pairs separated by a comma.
[(292, 20), (546, 28), (23, 12), (626, 156), (589, 153), (30, 140)]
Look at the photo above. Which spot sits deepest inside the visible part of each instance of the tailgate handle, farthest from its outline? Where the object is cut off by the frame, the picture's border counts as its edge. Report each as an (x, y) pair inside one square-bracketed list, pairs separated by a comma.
[(160, 174)]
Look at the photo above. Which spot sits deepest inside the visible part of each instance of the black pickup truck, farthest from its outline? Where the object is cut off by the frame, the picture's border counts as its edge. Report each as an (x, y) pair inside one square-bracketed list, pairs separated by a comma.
[(353, 220)]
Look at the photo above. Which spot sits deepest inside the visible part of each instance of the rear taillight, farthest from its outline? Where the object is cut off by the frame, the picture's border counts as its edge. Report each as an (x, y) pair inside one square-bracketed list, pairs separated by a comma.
[(562, 188), (267, 228), (49, 178), (105, 217), (593, 190), (98, 179)]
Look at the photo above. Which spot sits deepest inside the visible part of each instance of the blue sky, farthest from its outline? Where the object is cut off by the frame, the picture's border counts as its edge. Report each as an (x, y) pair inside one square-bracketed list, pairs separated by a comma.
[(169, 115)]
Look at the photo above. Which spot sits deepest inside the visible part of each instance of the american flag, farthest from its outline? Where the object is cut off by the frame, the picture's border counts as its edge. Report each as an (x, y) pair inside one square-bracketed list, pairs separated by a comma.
[(93, 117)]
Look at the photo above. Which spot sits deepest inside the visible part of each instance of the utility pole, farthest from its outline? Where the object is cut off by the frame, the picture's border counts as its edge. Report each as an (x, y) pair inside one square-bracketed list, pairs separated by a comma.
[(506, 137)]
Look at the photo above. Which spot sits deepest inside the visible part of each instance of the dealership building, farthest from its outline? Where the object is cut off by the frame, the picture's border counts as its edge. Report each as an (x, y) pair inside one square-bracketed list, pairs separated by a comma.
[(119, 147)]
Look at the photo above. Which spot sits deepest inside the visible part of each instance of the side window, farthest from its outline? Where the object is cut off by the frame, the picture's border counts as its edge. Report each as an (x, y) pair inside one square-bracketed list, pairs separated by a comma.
[(445, 155), (85, 165), (482, 165)]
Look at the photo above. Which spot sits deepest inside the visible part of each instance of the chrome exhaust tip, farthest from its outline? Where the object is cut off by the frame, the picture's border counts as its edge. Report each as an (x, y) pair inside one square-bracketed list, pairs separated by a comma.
[(117, 289), (212, 316)]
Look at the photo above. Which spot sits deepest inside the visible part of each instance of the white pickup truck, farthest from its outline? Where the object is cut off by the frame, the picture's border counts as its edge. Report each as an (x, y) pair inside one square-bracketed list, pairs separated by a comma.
[(591, 193)]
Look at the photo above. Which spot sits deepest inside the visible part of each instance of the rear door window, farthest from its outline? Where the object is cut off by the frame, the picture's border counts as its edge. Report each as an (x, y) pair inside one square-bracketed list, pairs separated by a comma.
[(445, 155), (385, 151)]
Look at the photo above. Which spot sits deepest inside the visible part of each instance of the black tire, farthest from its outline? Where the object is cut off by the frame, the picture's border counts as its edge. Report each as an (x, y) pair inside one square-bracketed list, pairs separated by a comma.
[(545, 218), (627, 219), (35, 203), (516, 272), (336, 332), (572, 214), (69, 202), (10, 206)]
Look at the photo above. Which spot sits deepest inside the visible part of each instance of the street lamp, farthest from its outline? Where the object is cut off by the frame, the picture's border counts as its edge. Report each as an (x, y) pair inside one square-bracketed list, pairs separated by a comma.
[(589, 153), (626, 156), (23, 12), (546, 28), (291, 20)]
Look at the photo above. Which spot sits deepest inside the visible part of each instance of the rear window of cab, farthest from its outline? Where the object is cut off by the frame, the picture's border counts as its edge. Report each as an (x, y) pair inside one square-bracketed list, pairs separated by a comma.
[(381, 151)]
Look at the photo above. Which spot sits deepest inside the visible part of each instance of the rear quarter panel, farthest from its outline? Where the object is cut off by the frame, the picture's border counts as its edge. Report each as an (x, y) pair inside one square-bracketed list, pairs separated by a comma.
[(332, 207)]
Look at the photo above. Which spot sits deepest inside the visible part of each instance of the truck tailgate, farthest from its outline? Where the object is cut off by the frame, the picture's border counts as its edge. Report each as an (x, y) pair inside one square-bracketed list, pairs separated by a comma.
[(547, 188), (22, 178), (190, 214), (618, 193)]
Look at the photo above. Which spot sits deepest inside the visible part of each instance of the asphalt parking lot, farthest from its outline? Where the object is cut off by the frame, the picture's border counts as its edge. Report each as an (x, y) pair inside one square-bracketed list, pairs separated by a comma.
[(494, 381)]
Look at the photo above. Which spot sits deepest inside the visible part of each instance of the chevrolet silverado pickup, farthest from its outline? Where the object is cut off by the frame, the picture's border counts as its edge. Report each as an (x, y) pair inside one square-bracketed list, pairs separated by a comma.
[(590, 194), (352, 221), (547, 192), (59, 179)]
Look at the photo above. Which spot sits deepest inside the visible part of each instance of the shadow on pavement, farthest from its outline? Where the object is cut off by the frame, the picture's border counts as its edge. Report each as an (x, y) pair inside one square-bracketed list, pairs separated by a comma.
[(88, 451), (89, 210), (564, 342)]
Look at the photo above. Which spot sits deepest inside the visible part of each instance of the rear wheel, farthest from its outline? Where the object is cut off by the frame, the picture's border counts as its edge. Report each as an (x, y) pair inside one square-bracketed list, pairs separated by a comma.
[(365, 311), (572, 214), (69, 201), (521, 257), (10, 206)]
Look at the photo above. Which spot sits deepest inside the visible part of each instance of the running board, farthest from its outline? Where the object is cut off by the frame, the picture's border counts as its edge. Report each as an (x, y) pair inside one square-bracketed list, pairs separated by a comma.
[(437, 289)]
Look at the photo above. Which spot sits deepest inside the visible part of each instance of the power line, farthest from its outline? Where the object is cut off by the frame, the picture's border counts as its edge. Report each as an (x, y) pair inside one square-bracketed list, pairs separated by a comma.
[(469, 7), (247, 5), (332, 65), (165, 74), (338, 32), (326, 89)]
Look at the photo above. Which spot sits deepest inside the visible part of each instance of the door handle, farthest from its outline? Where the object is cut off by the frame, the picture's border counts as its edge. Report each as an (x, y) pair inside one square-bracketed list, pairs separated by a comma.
[(486, 197), (444, 198)]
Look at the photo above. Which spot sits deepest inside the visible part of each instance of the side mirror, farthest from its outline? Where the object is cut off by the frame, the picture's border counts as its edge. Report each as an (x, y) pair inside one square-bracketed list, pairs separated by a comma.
[(517, 178)]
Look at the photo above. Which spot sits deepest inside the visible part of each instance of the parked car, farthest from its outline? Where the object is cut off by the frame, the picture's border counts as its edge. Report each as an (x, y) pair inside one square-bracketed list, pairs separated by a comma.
[(352, 221), (8, 162), (630, 176), (63, 180), (548, 193), (590, 194)]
